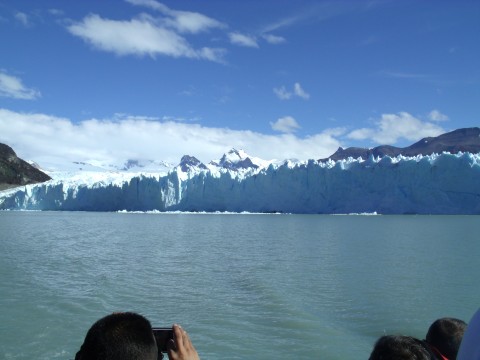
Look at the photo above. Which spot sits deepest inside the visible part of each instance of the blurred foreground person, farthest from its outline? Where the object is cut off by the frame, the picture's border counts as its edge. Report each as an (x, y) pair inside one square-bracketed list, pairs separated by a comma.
[(129, 336), (470, 346), (397, 347), (444, 337)]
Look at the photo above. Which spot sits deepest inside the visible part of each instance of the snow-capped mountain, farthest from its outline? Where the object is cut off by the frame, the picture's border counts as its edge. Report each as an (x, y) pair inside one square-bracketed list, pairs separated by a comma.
[(239, 159), (151, 166), (188, 163)]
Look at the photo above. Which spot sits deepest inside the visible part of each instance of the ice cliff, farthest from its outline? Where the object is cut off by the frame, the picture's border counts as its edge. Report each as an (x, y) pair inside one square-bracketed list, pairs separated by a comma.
[(435, 184)]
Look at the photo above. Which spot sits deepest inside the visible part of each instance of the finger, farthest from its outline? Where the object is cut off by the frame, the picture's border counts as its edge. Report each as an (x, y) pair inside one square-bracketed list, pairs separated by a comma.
[(171, 349), (178, 336), (187, 343), (171, 344)]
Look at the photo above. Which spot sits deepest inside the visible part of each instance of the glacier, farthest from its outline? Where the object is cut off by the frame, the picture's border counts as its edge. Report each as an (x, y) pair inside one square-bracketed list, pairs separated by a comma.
[(432, 184)]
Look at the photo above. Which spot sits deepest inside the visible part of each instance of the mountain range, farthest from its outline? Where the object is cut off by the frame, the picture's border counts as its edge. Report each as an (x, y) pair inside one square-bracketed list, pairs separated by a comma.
[(461, 140), (16, 172), (440, 183)]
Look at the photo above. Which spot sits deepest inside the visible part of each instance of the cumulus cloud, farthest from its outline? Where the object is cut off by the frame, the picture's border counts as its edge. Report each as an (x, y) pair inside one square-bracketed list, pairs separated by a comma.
[(336, 132), (140, 36), (297, 89), (23, 19), (148, 35), (273, 39), (237, 38), (12, 87), (286, 124), (392, 127), (55, 142), (182, 21), (284, 94), (56, 12), (436, 115)]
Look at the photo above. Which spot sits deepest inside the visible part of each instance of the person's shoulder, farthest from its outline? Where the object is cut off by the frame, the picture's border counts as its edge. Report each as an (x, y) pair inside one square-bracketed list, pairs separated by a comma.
[(470, 346)]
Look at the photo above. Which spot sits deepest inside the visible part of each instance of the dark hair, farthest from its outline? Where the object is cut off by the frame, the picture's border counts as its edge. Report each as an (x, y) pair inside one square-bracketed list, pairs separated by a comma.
[(119, 336), (445, 335), (396, 347)]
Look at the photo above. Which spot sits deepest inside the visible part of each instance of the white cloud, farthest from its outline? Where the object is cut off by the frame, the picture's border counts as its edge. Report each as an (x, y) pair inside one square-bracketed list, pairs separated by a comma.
[(12, 87), (282, 23), (297, 88), (23, 19), (240, 39), (317, 11), (243, 40), (286, 124), (193, 22), (55, 142), (283, 94), (436, 115), (139, 36), (56, 12), (212, 54), (182, 21), (392, 127), (273, 39), (336, 132)]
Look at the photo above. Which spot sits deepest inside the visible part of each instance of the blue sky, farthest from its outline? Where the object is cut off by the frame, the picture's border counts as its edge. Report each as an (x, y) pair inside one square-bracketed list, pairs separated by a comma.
[(112, 80)]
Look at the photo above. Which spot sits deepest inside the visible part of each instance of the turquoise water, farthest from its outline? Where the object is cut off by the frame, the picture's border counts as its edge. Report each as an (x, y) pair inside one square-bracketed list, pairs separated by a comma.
[(244, 286)]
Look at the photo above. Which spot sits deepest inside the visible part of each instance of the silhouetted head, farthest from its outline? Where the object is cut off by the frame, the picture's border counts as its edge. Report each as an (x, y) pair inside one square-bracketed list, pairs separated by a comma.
[(394, 347), (120, 336), (445, 335)]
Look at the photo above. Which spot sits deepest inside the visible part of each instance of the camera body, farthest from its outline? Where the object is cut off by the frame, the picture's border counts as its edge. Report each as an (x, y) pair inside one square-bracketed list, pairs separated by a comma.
[(162, 336)]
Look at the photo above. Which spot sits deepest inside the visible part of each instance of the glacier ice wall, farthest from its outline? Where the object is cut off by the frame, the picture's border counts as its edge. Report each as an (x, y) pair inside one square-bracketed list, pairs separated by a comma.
[(436, 184)]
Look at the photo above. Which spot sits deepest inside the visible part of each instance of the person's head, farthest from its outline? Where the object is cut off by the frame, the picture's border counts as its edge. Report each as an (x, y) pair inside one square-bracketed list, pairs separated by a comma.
[(119, 336), (445, 335), (396, 347)]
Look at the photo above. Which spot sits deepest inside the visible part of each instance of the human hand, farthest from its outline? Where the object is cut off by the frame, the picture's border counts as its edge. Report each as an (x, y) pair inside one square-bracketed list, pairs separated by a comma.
[(180, 347)]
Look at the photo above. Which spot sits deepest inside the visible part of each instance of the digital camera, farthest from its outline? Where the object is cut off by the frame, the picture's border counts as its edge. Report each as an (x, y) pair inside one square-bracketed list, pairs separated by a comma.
[(162, 336)]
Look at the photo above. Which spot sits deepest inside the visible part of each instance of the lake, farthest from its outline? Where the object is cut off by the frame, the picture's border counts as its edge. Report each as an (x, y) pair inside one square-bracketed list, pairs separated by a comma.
[(245, 286)]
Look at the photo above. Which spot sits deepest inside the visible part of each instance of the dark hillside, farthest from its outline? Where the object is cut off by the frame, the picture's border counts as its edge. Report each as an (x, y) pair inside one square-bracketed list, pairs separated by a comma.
[(15, 171)]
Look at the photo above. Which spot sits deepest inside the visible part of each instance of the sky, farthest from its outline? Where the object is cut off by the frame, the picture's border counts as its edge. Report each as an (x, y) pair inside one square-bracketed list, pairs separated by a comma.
[(112, 80)]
